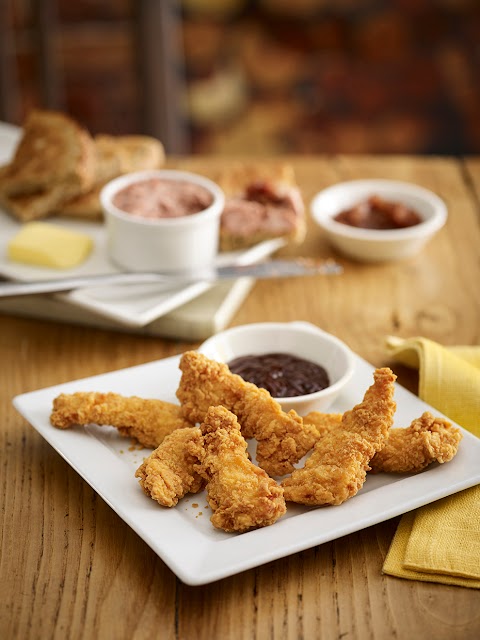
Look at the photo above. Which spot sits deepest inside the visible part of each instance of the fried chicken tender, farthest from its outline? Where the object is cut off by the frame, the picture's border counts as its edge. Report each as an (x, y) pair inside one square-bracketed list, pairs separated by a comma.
[(168, 473), (426, 440), (324, 422), (283, 438), (147, 420), (241, 495), (338, 465)]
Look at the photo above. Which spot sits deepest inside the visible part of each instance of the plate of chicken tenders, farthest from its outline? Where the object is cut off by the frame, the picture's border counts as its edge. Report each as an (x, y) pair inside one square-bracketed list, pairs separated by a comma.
[(216, 478)]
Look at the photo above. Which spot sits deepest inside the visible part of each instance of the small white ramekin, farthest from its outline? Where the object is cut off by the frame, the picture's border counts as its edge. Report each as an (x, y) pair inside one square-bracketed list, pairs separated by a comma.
[(301, 339), (184, 243), (373, 245)]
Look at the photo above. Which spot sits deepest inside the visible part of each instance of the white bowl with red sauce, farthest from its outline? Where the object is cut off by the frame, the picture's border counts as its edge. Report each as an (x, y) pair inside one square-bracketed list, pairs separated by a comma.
[(374, 244), (162, 220), (301, 339)]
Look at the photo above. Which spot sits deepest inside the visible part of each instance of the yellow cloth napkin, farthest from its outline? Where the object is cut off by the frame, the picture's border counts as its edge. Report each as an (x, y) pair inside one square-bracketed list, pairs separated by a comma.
[(441, 541)]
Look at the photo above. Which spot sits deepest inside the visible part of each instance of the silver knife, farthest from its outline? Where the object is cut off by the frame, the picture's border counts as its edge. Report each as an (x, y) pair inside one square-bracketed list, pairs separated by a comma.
[(268, 269)]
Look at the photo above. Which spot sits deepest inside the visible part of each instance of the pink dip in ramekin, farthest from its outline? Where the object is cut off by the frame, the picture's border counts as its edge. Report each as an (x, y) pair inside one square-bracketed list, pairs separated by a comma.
[(158, 198)]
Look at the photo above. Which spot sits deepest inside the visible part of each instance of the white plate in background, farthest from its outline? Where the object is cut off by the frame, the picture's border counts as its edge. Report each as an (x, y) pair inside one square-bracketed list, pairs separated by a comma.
[(129, 305)]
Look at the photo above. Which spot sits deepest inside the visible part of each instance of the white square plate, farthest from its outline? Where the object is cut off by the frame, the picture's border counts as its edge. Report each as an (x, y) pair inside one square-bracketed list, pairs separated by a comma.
[(183, 537), (132, 306)]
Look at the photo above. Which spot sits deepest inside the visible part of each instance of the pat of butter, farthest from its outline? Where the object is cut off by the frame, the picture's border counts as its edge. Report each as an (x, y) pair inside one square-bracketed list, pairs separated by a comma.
[(48, 245)]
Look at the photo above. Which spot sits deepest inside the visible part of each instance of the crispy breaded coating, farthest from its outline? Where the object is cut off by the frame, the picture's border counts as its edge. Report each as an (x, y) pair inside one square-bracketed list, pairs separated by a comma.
[(241, 495), (426, 440), (147, 420), (283, 441), (283, 438), (324, 422), (338, 465), (168, 473)]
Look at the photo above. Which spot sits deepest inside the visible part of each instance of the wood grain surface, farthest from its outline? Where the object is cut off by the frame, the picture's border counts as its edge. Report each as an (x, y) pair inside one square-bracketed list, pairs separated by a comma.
[(71, 568)]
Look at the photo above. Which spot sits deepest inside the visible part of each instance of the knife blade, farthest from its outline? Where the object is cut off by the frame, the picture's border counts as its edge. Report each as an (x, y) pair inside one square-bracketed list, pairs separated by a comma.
[(261, 270)]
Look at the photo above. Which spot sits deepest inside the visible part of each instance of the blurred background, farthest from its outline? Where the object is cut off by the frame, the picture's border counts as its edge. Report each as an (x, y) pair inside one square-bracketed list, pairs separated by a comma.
[(252, 76)]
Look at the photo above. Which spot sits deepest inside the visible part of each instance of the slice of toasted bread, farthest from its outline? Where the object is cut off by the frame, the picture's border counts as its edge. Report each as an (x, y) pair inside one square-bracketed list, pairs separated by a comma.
[(4, 173), (263, 202), (54, 150), (143, 152), (111, 158), (86, 206), (235, 179), (35, 206), (116, 155)]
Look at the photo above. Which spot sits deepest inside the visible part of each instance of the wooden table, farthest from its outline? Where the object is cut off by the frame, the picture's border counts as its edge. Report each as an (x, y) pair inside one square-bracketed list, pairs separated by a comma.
[(71, 568)]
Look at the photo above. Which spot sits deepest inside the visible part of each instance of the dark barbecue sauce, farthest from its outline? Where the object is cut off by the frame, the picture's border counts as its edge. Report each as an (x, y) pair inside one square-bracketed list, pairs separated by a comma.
[(377, 213), (282, 374)]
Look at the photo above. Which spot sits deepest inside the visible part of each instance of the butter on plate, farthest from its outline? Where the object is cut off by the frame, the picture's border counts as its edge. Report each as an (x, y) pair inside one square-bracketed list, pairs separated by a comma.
[(48, 245)]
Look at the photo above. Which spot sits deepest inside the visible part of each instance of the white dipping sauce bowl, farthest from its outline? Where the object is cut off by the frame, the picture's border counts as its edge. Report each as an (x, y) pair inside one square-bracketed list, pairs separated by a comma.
[(300, 339), (375, 245), (184, 243)]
